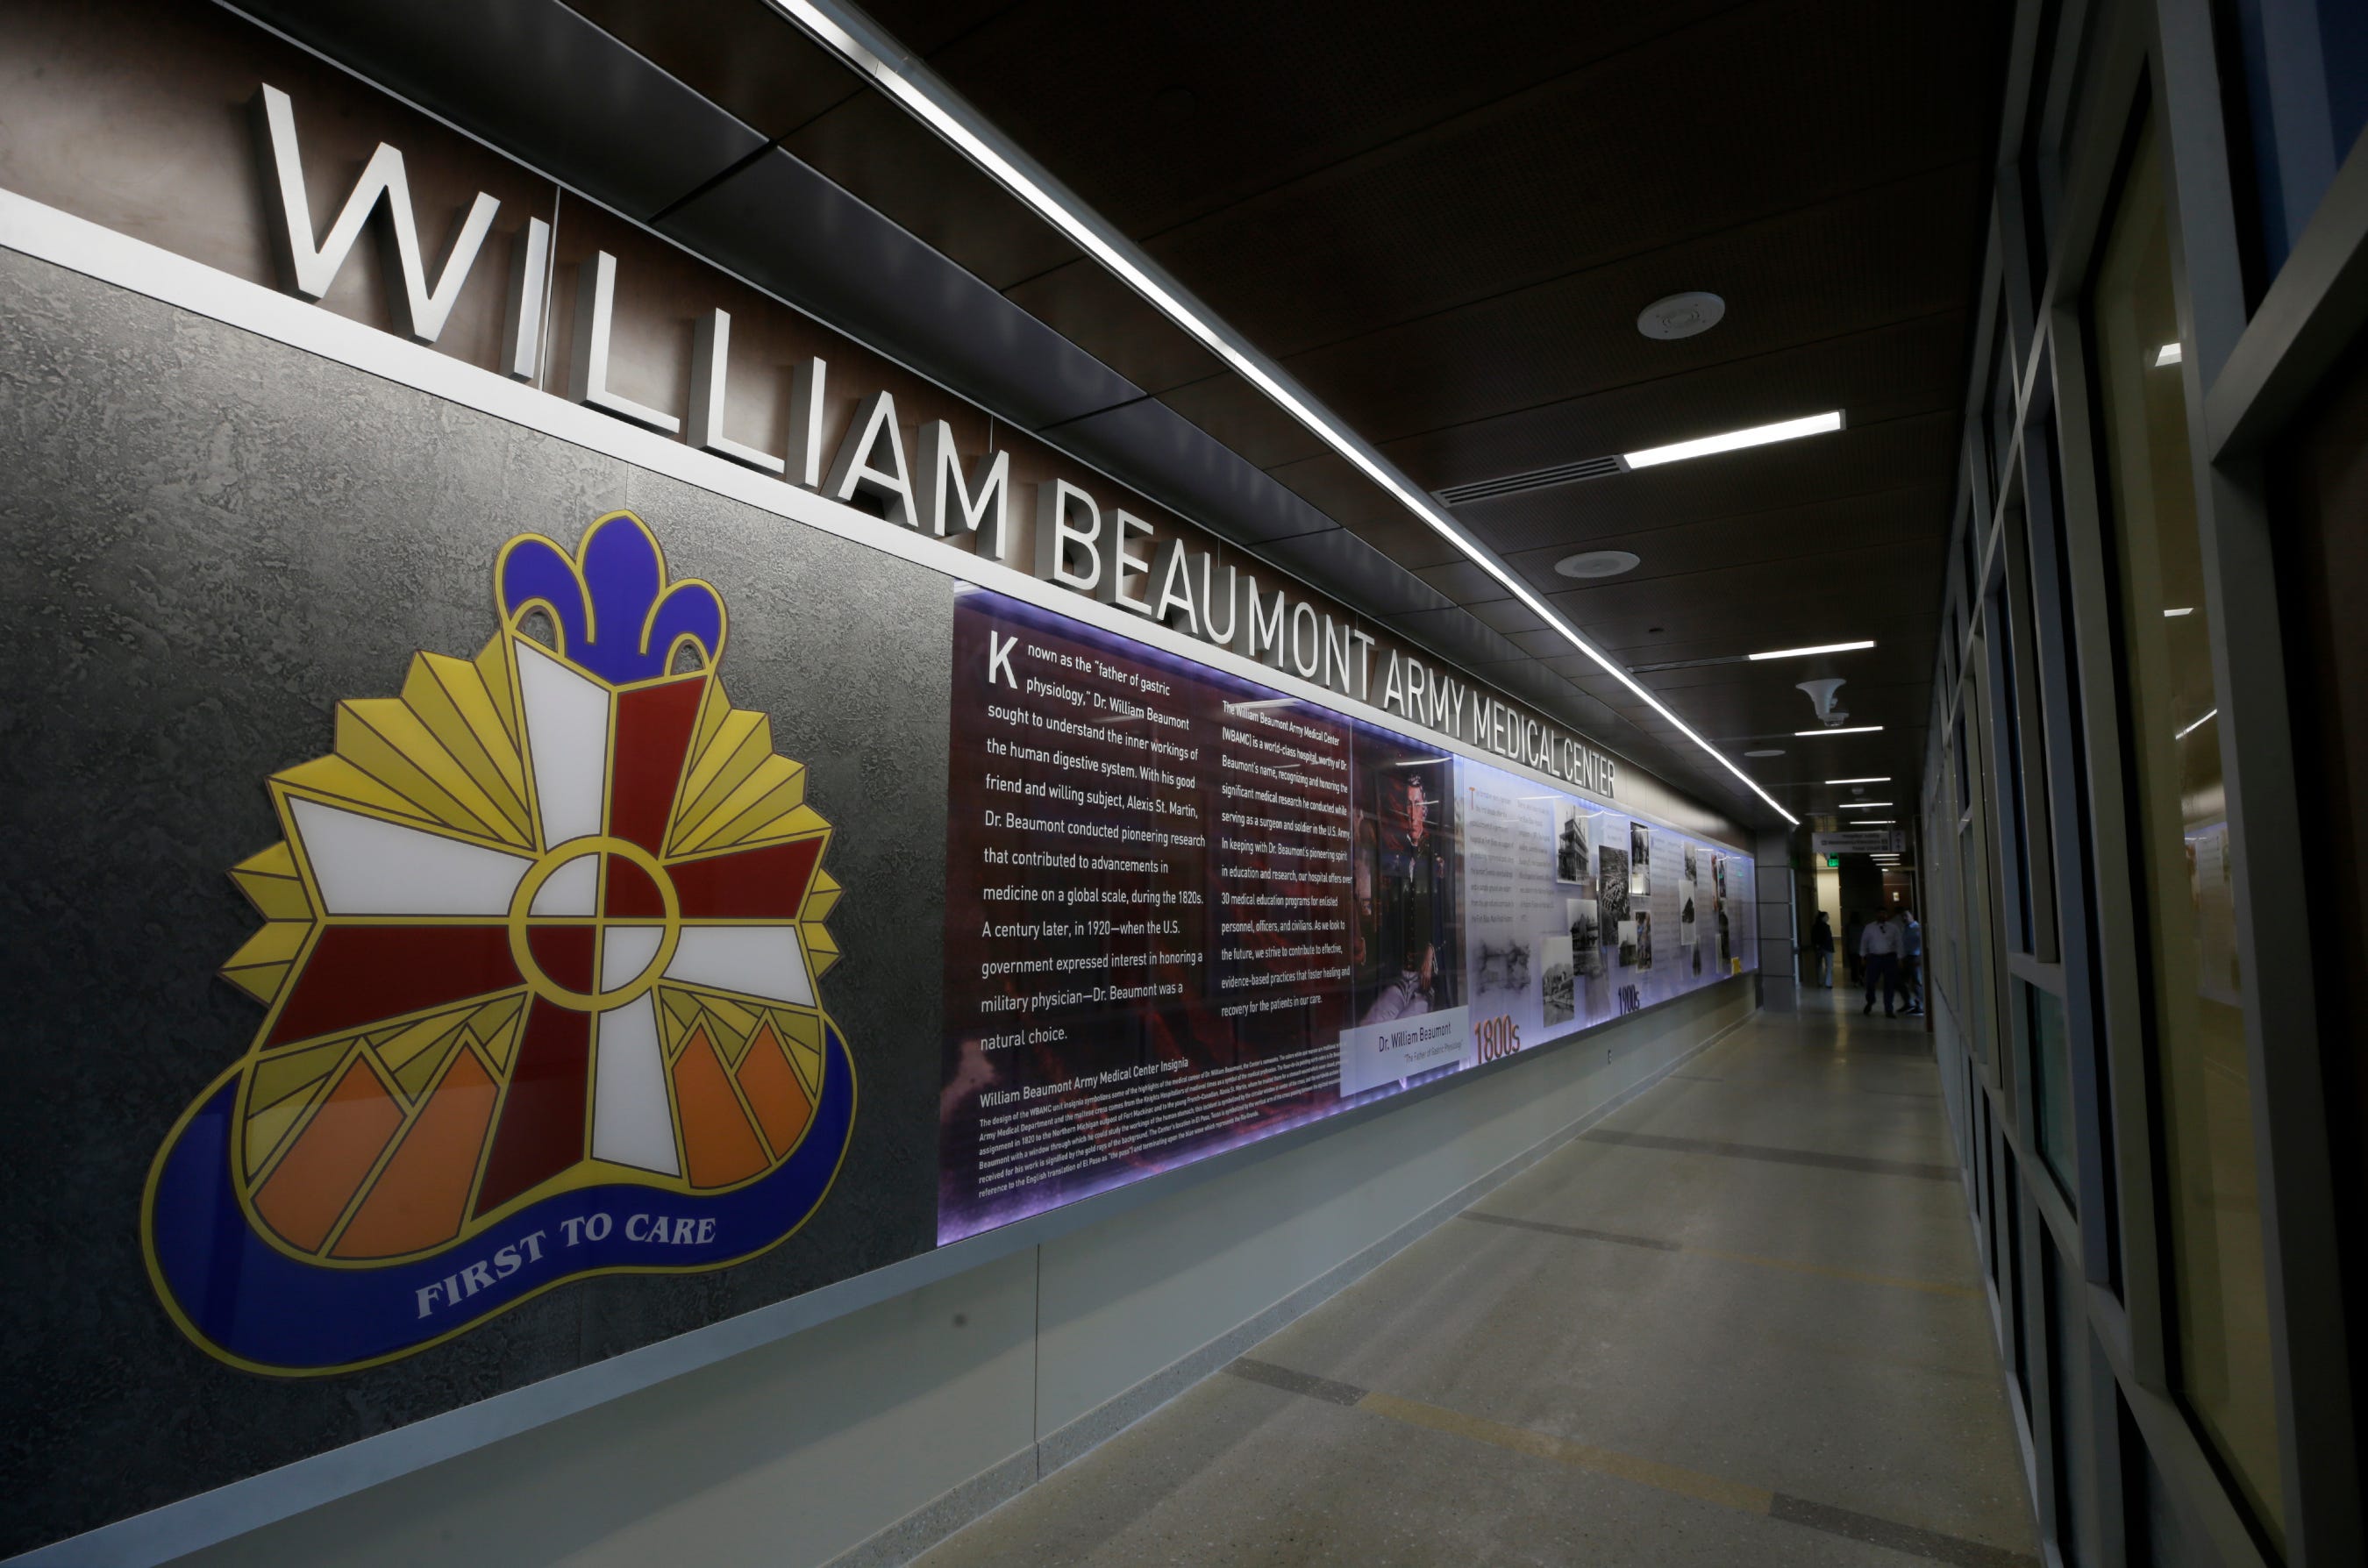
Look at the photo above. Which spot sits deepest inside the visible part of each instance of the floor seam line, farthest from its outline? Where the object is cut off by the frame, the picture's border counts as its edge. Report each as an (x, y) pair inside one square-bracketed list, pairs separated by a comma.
[(1702, 1486), (1794, 1266)]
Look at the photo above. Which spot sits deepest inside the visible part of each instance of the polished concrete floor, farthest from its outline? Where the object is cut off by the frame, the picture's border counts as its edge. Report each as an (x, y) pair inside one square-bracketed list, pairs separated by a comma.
[(1740, 1321)]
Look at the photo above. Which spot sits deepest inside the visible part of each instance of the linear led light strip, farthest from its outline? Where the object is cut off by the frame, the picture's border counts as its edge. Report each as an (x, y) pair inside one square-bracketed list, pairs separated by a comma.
[(934, 105)]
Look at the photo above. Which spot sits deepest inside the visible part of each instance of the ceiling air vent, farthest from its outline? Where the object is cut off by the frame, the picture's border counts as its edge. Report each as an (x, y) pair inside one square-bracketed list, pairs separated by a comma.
[(1536, 479)]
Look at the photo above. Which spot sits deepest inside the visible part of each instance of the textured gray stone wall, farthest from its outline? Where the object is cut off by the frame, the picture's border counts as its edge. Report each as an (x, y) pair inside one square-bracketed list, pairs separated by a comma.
[(209, 541)]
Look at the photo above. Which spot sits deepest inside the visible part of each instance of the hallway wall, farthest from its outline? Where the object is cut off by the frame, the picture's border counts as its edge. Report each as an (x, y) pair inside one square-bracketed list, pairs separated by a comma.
[(866, 1438)]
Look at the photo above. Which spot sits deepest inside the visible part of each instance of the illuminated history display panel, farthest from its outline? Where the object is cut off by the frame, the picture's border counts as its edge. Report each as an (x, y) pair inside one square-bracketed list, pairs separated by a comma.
[(1185, 910)]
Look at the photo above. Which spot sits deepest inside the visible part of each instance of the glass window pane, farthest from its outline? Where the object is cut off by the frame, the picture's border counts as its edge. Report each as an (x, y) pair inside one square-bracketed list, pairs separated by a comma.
[(2306, 70), (2051, 1081), (2196, 991), (2006, 725)]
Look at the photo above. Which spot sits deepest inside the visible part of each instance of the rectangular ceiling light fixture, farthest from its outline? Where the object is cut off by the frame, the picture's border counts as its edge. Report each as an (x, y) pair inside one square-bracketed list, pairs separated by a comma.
[(2168, 354), (1735, 440), (1842, 730), (1866, 805), (856, 38), (1820, 648), (1871, 778)]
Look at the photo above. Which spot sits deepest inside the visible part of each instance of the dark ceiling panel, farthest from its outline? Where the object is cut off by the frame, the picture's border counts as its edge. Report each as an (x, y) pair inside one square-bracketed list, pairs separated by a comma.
[(1340, 562), (1811, 276), (787, 229), (882, 156), (753, 62), (1149, 445), (1092, 308), (1835, 524), (539, 80), (1245, 419), (1854, 461), (1842, 579), (1328, 480), (1903, 628), (1875, 377), (1594, 167), (1412, 544), (1464, 581), (925, 27), (1508, 616), (1153, 114), (1457, 635)]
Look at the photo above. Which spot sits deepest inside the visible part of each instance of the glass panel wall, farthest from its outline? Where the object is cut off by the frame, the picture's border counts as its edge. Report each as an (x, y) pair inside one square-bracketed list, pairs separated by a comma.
[(2180, 847), (2305, 68)]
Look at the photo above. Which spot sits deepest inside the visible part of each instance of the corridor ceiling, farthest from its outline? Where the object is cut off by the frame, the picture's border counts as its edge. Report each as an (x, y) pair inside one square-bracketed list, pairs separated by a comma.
[(1443, 220)]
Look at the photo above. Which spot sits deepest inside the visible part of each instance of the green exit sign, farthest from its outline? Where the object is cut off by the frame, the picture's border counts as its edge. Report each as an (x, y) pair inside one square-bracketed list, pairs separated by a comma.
[(1833, 862)]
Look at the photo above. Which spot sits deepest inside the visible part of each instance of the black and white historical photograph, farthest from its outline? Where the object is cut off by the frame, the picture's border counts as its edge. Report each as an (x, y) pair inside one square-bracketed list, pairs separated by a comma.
[(1561, 989), (1571, 843), (1586, 936)]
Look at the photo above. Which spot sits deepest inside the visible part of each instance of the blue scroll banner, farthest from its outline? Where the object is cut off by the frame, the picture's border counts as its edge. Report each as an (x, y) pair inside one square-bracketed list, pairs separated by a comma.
[(253, 1304)]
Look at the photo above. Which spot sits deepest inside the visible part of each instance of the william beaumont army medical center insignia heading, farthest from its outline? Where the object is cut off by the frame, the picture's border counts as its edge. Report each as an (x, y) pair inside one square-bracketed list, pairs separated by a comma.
[(538, 966)]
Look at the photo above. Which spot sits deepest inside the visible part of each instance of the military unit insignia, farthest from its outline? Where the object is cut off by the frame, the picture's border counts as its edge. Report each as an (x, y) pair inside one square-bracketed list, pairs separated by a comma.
[(539, 964)]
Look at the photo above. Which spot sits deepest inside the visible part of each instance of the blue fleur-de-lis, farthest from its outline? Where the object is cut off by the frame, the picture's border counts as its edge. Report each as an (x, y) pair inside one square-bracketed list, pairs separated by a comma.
[(616, 615)]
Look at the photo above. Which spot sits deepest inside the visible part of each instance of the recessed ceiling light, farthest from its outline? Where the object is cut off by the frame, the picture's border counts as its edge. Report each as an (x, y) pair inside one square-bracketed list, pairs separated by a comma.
[(1735, 441), (1884, 778), (2173, 614), (1875, 821), (2168, 354), (1766, 751), (1820, 648), (1681, 315), (1597, 563), (1842, 730), (1866, 805)]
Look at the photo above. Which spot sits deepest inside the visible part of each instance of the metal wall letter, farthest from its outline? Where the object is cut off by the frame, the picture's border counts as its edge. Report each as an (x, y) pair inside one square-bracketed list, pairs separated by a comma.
[(711, 351), (807, 385), (981, 506), (522, 306), (1054, 500), (420, 311), (857, 468), (1125, 524), (595, 304)]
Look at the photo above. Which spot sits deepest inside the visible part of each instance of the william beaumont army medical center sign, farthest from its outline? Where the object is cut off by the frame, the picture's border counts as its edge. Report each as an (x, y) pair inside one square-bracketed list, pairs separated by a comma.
[(1080, 544)]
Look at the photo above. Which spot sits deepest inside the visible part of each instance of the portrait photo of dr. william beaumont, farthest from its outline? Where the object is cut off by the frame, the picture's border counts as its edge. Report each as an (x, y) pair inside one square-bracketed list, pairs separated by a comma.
[(1416, 954)]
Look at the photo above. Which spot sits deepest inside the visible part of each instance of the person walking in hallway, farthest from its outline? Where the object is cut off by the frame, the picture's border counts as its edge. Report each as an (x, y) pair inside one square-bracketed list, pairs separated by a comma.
[(1911, 960), (1821, 942), (1879, 947)]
